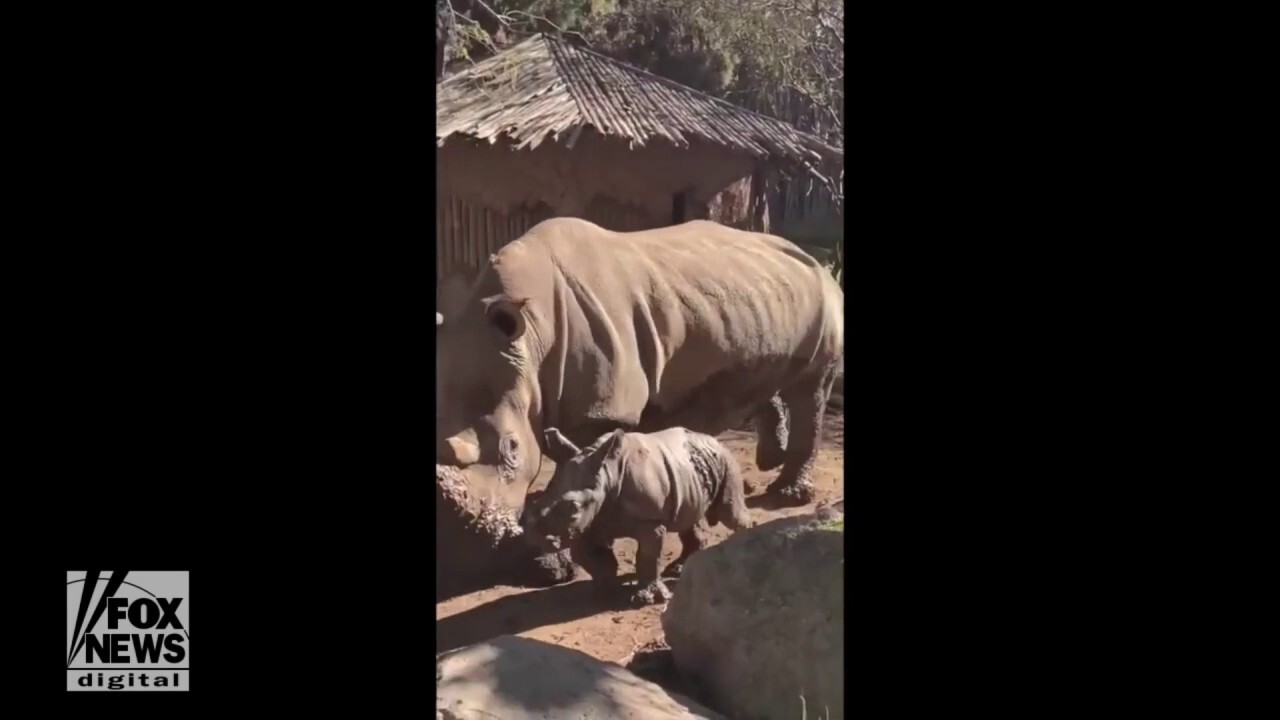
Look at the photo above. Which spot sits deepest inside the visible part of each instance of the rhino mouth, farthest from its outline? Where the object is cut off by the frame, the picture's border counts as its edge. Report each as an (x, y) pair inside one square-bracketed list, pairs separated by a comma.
[(487, 514), (479, 542), (562, 539)]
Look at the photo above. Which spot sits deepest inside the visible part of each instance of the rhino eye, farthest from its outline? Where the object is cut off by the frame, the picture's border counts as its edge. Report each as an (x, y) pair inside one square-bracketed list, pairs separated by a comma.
[(509, 455), (509, 447), (505, 323)]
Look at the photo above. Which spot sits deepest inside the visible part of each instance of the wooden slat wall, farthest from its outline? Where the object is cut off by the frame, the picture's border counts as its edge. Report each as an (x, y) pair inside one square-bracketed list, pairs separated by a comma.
[(612, 215), (467, 234), (804, 211), (803, 200)]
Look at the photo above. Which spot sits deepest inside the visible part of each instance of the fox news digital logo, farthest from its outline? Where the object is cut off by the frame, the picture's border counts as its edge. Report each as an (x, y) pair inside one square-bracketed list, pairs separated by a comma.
[(128, 634)]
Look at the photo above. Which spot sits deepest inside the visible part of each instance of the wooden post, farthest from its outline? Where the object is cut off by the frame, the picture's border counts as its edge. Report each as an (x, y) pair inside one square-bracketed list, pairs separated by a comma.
[(759, 199)]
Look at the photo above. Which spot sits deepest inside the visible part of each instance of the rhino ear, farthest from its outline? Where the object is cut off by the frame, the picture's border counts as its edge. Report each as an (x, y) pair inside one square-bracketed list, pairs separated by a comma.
[(613, 445), (506, 315), (559, 448)]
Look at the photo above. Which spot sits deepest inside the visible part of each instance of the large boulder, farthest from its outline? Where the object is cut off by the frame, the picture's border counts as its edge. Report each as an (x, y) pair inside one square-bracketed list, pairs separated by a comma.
[(515, 678), (479, 544), (757, 622)]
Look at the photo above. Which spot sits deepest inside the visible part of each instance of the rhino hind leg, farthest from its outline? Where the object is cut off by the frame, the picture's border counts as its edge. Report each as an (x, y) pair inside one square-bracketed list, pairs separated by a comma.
[(771, 434), (806, 405), (690, 542), (730, 507)]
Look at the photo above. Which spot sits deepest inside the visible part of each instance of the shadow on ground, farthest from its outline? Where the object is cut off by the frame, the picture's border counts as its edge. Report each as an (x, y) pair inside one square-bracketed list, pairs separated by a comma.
[(510, 675), (519, 613)]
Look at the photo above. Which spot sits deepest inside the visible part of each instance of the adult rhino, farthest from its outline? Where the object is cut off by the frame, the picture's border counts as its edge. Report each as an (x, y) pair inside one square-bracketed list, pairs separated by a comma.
[(587, 330)]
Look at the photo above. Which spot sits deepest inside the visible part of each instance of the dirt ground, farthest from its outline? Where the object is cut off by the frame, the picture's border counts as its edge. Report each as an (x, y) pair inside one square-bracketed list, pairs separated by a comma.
[(571, 616)]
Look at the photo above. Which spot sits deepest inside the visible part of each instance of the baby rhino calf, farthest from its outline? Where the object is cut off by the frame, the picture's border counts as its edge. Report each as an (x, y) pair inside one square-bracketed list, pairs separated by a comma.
[(635, 485)]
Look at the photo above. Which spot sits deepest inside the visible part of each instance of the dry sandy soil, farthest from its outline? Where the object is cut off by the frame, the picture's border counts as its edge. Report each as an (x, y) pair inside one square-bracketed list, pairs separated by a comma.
[(570, 615)]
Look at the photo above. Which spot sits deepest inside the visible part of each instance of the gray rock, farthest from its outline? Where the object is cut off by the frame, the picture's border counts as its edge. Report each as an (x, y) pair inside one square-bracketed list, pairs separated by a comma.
[(514, 678), (757, 622)]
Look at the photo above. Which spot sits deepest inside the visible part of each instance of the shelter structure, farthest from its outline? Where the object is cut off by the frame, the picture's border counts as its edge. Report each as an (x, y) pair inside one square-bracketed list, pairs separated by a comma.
[(547, 129)]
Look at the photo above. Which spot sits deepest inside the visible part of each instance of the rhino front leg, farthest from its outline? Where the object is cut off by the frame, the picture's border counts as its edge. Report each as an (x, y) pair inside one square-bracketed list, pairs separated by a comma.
[(599, 562), (806, 405), (771, 434), (650, 589)]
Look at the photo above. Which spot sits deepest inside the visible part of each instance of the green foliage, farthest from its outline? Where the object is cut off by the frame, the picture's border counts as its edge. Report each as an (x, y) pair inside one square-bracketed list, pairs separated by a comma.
[(668, 39), (782, 57), (485, 27)]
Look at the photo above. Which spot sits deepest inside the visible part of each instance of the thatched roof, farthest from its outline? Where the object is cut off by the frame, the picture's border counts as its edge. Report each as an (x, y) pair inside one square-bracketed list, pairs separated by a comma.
[(545, 87)]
